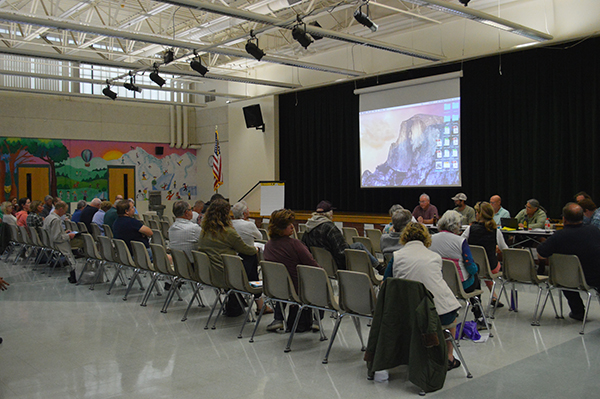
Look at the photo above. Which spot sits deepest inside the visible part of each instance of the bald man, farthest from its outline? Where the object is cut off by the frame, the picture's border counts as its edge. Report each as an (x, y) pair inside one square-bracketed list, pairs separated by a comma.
[(87, 214), (499, 211)]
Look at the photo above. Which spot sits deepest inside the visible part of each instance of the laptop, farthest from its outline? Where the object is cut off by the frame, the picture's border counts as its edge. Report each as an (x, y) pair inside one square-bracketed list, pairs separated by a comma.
[(510, 223)]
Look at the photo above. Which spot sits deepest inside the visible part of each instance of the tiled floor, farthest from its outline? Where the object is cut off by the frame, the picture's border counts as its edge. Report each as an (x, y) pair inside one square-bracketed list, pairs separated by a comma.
[(65, 341)]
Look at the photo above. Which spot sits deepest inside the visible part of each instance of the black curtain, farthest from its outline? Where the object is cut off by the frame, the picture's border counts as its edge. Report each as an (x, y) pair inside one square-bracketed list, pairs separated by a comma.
[(529, 123)]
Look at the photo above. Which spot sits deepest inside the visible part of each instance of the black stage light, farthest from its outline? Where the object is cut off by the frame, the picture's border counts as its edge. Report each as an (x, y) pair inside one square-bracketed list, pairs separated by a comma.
[(253, 49), (109, 93), (131, 86), (364, 19), (197, 66), (465, 2), (155, 77), (169, 56), (299, 34)]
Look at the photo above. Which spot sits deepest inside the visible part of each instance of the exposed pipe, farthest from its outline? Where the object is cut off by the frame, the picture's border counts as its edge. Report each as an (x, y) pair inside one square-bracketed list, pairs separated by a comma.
[(185, 127), (172, 127), (179, 127)]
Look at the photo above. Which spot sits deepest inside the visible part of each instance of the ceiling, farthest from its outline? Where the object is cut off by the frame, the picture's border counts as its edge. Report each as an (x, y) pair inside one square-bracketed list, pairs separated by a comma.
[(133, 35)]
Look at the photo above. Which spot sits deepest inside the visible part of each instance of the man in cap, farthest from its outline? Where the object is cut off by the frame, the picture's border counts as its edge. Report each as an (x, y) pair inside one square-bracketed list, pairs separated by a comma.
[(467, 213), (533, 215), (322, 232)]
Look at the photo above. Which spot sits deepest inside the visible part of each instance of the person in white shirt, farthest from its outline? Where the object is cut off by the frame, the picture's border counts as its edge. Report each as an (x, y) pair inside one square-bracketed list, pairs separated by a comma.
[(184, 233)]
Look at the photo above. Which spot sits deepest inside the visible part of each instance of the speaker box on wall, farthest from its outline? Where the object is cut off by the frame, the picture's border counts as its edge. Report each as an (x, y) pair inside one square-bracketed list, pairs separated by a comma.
[(253, 117), (159, 150)]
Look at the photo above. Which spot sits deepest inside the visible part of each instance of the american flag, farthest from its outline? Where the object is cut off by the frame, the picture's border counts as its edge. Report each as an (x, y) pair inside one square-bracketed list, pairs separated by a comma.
[(217, 172)]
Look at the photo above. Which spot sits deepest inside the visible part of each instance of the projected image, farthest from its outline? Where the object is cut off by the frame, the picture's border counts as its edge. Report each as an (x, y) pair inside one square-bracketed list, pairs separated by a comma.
[(412, 145)]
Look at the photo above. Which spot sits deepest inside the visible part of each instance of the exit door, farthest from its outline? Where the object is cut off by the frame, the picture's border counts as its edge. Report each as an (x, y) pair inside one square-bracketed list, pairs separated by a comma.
[(33, 182), (121, 180)]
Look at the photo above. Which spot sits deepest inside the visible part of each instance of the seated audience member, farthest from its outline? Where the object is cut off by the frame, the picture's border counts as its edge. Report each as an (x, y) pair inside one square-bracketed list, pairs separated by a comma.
[(34, 219), (415, 262), (65, 241), (184, 233), (15, 203), (291, 252), (581, 196), (425, 212), (390, 242), (76, 216), (48, 206), (87, 213), (591, 214), (533, 216), (24, 204), (499, 211), (128, 228), (576, 239), (467, 213), (393, 209), (219, 237), (486, 234), (321, 232), (111, 215), (99, 216), (197, 212), (450, 245), (8, 217)]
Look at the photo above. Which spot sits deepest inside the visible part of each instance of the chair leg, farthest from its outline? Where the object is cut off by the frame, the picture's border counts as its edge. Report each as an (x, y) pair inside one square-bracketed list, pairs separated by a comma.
[(170, 295), (221, 309), (117, 274), (150, 287), (218, 297), (487, 325), (462, 325), (250, 301), (457, 350), (587, 308), (316, 315), (289, 343), (260, 314), (184, 318), (502, 289), (535, 321), (134, 277), (333, 335), (87, 261)]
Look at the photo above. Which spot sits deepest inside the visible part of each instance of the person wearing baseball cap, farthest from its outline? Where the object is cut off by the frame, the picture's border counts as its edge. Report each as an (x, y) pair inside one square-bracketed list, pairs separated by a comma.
[(467, 213), (322, 232)]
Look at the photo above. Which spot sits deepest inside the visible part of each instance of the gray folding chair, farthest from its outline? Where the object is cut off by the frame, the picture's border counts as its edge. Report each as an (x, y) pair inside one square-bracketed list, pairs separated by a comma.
[(202, 264), (366, 242), (375, 236), (92, 258), (519, 268), (357, 299), (566, 274), (96, 232), (143, 262), (108, 231), (81, 227), (485, 272), (358, 261), (164, 228), (325, 260), (348, 233), (125, 259)]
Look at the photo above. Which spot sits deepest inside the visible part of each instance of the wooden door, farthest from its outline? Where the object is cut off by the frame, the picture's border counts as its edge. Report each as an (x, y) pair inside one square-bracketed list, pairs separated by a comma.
[(121, 180), (33, 181)]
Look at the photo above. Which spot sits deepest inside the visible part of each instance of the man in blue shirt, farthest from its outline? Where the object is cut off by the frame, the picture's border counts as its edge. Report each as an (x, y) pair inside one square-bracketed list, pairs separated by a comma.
[(499, 212)]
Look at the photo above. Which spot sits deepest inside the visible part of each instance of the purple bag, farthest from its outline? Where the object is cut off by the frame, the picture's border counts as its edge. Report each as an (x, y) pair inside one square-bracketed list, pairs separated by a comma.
[(470, 331)]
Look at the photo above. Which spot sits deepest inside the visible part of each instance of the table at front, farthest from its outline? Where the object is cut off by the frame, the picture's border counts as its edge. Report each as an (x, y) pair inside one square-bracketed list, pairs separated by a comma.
[(527, 235)]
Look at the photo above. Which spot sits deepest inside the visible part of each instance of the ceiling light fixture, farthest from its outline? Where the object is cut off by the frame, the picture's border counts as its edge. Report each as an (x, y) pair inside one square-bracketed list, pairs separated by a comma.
[(465, 2), (364, 19), (155, 77), (108, 92), (300, 35), (196, 65), (253, 49), (131, 85), (169, 56)]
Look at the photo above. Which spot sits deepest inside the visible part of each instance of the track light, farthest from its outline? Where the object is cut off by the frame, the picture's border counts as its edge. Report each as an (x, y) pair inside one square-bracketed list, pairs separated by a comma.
[(169, 56), (364, 19), (301, 36), (197, 66), (131, 85), (108, 92), (155, 77), (253, 49), (465, 2)]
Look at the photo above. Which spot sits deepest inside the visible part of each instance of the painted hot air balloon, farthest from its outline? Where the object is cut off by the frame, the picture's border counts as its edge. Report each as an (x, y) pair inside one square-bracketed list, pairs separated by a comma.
[(86, 155)]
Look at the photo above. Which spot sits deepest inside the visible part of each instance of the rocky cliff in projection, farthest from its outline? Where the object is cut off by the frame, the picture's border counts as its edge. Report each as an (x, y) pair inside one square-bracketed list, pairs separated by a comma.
[(411, 158)]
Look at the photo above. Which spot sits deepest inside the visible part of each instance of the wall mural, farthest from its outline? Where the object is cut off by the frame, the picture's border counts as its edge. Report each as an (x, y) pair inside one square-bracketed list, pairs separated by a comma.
[(78, 169)]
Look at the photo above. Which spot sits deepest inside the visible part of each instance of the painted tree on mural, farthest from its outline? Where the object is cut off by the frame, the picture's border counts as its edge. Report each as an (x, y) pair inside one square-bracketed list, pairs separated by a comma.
[(14, 151), (53, 152)]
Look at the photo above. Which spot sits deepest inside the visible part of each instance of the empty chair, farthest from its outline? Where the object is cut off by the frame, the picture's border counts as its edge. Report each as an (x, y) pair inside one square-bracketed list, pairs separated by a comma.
[(325, 260), (356, 299), (277, 287), (519, 268), (452, 278), (302, 227), (265, 234), (158, 238), (348, 233), (366, 242), (164, 228), (183, 272), (163, 265), (125, 259), (143, 262), (566, 274), (153, 224), (109, 255), (92, 258), (237, 280), (485, 271), (315, 292), (375, 236), (358, 261), (203, 273)]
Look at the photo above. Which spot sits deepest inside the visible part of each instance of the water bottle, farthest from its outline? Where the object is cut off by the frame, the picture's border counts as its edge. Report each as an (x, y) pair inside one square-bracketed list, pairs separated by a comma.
[(547, 225)]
